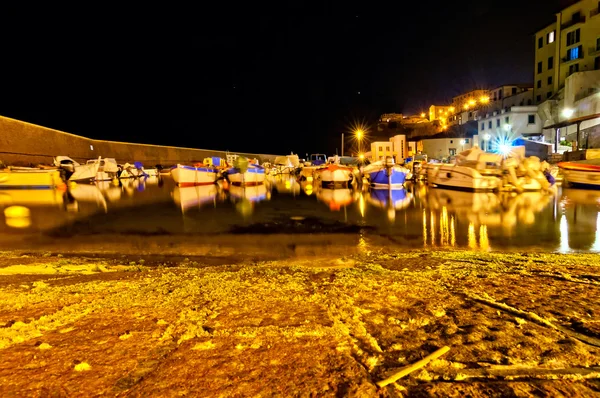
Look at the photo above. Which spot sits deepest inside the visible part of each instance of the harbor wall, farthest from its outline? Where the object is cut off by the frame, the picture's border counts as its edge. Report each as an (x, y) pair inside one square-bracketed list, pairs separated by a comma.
[(24, 144)]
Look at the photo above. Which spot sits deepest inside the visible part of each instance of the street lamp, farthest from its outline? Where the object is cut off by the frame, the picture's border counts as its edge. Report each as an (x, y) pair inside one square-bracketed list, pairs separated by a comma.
[(567, 113)]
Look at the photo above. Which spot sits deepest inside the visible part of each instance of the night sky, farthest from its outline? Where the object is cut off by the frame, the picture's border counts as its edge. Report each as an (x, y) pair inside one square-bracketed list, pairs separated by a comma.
[(266, 78)]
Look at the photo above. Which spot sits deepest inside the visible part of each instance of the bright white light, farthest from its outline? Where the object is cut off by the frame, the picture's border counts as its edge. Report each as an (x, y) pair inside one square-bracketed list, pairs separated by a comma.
[(504, 149), (507, 127), (568, 112), (92, 147), (462, 142), (487, 137)]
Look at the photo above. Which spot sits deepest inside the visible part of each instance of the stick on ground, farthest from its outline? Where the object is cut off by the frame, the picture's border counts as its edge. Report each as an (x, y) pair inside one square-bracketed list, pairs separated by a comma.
[(415, 366)]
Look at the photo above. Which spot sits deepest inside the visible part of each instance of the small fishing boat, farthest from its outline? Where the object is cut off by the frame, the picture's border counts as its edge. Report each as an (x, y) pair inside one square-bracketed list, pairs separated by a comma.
[(101, 169), (334, 175), (386, 173), (30, 179), (189, 175), (133, 171), (583, 173), (253, 175), (285, 164)]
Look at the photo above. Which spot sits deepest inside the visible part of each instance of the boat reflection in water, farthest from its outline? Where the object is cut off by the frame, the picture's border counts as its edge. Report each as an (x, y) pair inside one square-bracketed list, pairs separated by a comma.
[(336, 199), (245, 197), (195, 196), (390, 200), (285, 184), (480, 214), (579, 220)]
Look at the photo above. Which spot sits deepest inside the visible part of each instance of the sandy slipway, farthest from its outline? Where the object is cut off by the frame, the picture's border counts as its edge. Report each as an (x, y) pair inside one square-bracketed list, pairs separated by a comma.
[(517, 325)]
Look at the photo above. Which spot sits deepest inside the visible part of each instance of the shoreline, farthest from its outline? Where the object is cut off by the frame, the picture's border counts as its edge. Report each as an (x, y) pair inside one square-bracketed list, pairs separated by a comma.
[(324, 324)]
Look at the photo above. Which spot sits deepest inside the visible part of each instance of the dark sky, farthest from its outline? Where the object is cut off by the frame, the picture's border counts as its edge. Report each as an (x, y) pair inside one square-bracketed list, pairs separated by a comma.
[(267, 78)]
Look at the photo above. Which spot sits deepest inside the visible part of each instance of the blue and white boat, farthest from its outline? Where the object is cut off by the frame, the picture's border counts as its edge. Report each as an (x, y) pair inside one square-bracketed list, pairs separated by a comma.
[(254, 175), (386, 174), (188, 175)]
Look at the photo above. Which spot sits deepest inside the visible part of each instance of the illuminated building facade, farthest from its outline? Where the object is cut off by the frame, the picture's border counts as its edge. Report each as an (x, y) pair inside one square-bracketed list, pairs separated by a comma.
[(570, 44)]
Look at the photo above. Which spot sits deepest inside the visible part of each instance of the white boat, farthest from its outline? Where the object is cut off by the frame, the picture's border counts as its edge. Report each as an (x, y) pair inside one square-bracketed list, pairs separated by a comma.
[(30, 179), (188, 175), (474, 170), (94, 170), (334, 174), (386, 174), (133, 171), (254, 175), (285, 164), (194, 196)]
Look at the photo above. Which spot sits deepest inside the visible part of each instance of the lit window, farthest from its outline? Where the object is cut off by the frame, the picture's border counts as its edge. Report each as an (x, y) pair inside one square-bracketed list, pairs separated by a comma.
[(92, 147), (551, 37)]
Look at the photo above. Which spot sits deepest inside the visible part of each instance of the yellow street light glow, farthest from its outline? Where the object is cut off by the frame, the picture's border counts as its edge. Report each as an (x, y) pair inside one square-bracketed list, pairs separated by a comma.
[(451, 109), (359, 134), (422, 114), (484, 99), (361, 156), (568, 112), (472, 102), (466, 106)]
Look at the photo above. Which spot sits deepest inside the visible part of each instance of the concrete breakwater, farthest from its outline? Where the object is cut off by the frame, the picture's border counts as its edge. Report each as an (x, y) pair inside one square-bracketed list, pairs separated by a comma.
[(24, 144)]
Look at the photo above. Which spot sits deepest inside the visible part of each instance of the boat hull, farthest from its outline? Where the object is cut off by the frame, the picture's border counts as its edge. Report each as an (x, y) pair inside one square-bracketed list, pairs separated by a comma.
[(392, 177), (333, 175), (190, 176), (252, 176), (464, 178), (583, 175), (30, 179)]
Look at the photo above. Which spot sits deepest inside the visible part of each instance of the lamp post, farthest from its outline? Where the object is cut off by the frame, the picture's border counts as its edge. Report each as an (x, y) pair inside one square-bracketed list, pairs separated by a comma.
[(359, 136)]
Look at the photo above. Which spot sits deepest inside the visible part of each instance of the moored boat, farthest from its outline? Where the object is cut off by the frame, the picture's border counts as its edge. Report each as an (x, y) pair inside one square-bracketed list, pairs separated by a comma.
[(30, 179), (189, 175), (101, 169), (584, 173), (253, 175), (334, 174), (386, 174)]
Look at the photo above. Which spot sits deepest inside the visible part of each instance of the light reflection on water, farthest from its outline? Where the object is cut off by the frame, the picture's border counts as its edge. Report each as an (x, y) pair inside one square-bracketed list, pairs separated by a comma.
[(416, 216)]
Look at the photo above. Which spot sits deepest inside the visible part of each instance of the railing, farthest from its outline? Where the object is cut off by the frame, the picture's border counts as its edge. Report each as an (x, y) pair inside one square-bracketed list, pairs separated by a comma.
[(593, 50), (572, 22)]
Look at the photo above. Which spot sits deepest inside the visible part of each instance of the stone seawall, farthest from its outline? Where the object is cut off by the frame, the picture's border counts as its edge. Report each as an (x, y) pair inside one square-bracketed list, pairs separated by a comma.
[(23, 143)]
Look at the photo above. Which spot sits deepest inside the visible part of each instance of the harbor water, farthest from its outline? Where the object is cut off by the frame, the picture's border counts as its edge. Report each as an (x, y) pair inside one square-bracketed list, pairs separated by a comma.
[(416, 216)]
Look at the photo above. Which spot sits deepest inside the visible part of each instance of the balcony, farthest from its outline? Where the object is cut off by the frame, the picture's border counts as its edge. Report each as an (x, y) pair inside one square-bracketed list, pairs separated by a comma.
[(593, 50), (573, 22), (593, 13), (586, 93)]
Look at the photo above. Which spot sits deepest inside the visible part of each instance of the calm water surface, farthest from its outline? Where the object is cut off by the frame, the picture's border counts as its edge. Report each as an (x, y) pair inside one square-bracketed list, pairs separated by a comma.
[(416, 216)]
